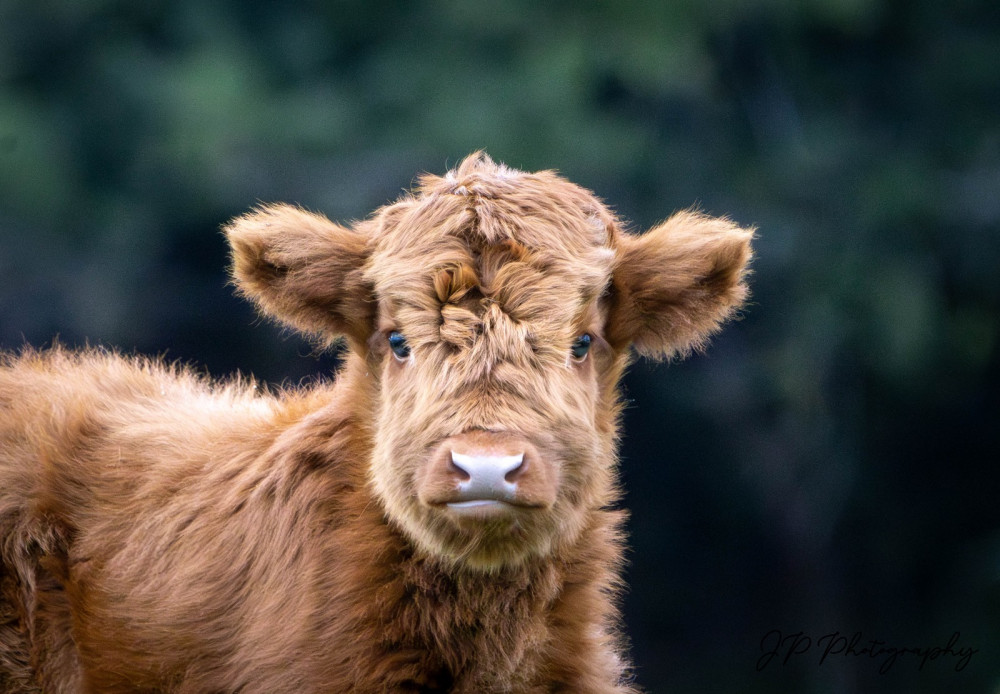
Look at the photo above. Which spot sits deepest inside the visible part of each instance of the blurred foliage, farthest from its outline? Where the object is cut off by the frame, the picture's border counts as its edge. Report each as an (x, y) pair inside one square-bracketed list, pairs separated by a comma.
[(830, 464)]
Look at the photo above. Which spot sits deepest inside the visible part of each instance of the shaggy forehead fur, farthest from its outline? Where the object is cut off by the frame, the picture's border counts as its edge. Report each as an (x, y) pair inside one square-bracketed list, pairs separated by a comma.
[(486, 239)]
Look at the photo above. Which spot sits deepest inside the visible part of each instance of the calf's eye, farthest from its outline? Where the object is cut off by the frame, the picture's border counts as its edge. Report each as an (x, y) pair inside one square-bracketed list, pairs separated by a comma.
[(397, 343), (580, 347)]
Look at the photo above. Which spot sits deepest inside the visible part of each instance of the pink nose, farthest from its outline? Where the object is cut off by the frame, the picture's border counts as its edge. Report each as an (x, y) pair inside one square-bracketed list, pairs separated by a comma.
[(488, 476), (485, 469)]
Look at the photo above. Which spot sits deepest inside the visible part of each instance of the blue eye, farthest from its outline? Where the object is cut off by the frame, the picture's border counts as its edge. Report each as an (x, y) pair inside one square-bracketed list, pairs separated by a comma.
[(397, 343), (580, 347)]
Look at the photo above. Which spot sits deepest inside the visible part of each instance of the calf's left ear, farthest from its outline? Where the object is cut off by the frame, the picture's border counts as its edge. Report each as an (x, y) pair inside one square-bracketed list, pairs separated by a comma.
[(304, 270), (676, 284)]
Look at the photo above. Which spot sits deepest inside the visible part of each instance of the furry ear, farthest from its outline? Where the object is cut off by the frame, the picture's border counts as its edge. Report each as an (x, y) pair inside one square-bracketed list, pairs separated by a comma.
[(304, 270), (676, 284)]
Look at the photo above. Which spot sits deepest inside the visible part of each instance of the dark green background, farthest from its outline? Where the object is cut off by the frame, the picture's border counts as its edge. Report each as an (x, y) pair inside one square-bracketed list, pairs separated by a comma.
[(829, 465)]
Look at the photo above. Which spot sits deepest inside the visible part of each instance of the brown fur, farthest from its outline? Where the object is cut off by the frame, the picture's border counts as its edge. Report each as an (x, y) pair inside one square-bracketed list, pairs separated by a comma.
[(161, 532)]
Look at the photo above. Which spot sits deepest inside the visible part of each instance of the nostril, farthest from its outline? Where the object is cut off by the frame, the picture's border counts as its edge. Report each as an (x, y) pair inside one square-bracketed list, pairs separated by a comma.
[(459, 471), (513, 474)]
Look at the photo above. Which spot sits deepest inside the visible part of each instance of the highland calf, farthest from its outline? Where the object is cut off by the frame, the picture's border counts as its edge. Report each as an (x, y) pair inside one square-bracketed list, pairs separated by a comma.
[(438, 519)]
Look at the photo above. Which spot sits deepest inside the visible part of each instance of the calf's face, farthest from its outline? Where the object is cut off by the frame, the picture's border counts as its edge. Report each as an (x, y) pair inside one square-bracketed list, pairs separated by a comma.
[(496, 310)]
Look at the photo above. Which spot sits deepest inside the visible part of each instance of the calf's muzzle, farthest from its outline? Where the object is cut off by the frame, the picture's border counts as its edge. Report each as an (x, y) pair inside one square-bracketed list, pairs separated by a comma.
[(482, 473)]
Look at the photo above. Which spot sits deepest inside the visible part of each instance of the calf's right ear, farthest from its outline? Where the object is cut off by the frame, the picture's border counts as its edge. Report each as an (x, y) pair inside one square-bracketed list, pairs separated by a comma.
[(304, 270)]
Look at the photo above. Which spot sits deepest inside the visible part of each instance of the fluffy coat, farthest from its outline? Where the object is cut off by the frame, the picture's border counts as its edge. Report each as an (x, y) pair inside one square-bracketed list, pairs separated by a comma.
[(165, 533)]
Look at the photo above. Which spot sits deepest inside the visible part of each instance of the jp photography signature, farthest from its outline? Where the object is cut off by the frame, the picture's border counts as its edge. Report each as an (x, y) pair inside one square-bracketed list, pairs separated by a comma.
[(781, 648)]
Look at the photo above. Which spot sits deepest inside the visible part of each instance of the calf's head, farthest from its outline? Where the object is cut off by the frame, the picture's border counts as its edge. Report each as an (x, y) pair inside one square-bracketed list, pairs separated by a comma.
[(495, 310)]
